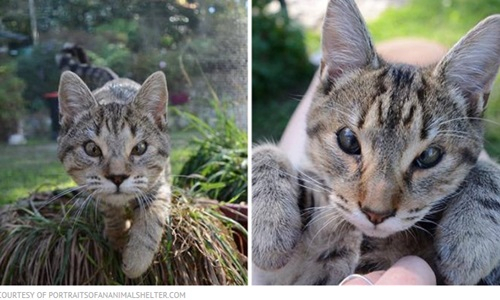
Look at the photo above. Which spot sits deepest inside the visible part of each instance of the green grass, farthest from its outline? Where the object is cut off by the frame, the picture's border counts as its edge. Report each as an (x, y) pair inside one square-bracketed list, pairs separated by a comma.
[(31, 167), (312, 39), (219, 167), (61, 242), (182, 148), (442, 21), (35, 167)]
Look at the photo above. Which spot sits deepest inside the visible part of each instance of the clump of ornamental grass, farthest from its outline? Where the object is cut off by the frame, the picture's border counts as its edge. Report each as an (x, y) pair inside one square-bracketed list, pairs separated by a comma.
[(219, 167), (49, 239)]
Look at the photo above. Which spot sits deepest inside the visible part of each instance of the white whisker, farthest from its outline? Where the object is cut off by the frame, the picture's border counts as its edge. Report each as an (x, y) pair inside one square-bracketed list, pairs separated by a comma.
[(470, 118), (313, 183), (422, 229), (334, 218), (63, 193)]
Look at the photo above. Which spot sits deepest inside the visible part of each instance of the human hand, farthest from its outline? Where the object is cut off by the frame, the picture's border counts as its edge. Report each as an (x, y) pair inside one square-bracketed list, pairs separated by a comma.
[(409, 270)]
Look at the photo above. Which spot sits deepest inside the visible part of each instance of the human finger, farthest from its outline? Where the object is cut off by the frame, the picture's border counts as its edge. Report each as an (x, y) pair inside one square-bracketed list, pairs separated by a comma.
[(356, 279), (409, 270)]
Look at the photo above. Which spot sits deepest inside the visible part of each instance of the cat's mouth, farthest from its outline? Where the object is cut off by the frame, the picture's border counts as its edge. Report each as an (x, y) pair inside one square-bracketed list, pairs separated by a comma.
[(381, 229), (115, 193), (119, 192)]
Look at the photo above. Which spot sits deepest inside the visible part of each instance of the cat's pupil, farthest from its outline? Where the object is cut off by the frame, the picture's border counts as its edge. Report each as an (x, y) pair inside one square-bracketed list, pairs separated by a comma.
[(92, 149), (348, 142), (429, 158), (140, 148)]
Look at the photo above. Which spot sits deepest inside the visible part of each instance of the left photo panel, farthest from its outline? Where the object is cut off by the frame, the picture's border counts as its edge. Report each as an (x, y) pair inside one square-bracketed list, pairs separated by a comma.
[(123, 142)]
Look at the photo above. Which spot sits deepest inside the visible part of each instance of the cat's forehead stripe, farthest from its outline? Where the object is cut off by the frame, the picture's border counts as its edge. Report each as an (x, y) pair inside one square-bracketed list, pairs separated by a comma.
[(405, 83), (402, 75), (421, 91), (398, 81), (408, 119)]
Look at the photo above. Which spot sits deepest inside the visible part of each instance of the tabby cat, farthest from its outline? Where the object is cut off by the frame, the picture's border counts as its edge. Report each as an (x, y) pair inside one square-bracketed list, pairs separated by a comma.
[(73, 58), (391, 166), (114, 143)]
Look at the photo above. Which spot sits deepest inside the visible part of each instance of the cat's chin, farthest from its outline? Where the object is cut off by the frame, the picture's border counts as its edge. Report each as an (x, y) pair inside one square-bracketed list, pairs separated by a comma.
[(376, 233), (120, 199)]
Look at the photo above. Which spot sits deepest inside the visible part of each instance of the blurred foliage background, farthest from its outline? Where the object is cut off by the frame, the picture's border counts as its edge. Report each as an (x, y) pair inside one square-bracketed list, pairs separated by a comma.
[(280, 69), (200, 45), (276, 93)]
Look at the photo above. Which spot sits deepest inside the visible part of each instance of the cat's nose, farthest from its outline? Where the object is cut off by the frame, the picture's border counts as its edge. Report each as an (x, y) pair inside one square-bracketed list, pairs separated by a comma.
[(377, 217), (117, 179)]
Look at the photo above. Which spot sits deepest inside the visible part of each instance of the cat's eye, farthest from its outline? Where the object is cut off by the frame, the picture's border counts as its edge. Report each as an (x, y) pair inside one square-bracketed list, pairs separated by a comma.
[(429, 158), (348, 141), (92, 149), (140, 148)]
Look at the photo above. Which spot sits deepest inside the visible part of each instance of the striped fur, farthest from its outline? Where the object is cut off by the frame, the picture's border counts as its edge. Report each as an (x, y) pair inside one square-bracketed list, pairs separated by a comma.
[(101, 142), (396, 112)]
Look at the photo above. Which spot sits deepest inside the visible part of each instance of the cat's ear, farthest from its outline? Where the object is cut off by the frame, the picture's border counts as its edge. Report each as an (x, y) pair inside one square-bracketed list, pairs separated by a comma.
[(153, 97), (74, 97), (471, 66), (346, 43)]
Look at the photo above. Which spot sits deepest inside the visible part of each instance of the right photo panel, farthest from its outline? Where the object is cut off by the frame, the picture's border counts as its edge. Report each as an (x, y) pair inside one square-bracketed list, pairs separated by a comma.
[(376, 136)]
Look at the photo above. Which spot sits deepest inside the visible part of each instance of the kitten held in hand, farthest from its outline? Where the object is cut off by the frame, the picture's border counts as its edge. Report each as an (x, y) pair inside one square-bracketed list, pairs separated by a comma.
[(391, 166), (113, 142)]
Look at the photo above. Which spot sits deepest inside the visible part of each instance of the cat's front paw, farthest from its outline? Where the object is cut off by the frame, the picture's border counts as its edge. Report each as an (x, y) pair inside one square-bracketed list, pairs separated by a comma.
[(466, 254), (276, 216), (460, 262), (136, 261), (467, 239)]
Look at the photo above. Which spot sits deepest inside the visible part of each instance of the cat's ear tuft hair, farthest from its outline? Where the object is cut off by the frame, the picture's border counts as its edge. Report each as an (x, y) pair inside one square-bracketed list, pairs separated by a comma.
[(74, 97), (153, 97), (346, 43), (472, 64)]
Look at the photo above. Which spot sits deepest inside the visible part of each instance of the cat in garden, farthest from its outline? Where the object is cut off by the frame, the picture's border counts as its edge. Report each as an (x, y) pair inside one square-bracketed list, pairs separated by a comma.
[(391, 168), (113, 142), (73, 57)]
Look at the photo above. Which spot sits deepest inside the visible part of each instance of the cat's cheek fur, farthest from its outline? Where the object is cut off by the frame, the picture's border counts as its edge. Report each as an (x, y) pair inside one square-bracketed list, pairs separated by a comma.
[(77, 173)]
